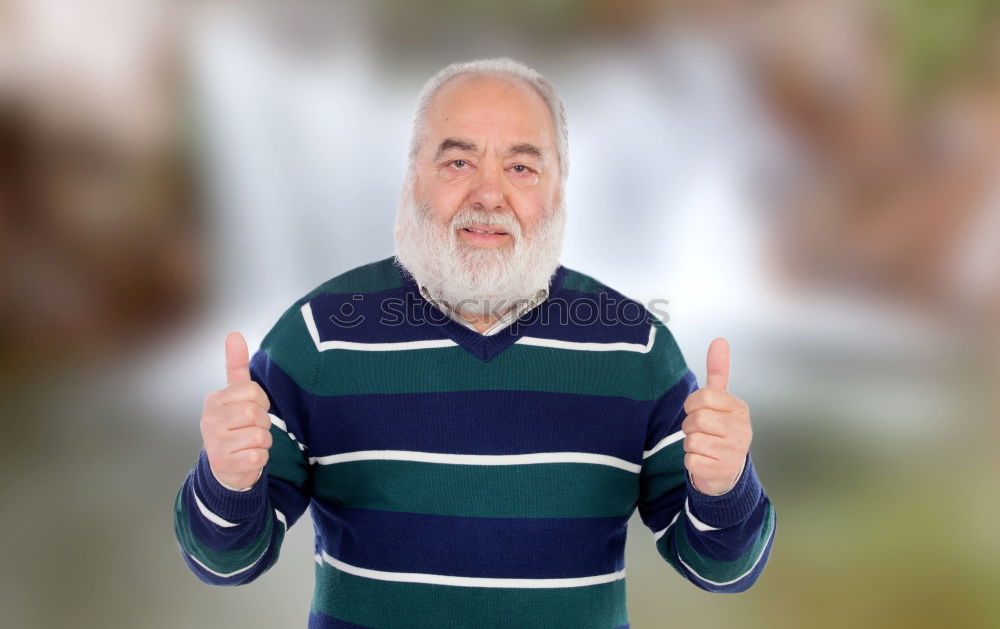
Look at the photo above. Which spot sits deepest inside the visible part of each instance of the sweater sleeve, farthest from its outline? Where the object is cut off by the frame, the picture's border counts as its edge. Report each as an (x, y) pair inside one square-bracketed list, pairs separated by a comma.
[(718, 543), (230, 537)]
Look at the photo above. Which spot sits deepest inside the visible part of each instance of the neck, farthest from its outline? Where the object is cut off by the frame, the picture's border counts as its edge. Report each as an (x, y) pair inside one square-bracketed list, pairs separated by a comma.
[(481, 322)]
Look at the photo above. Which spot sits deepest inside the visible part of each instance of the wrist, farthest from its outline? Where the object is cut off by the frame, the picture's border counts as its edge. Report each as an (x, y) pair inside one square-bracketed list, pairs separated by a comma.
[(230, 488), (226, 501), (728, 508)]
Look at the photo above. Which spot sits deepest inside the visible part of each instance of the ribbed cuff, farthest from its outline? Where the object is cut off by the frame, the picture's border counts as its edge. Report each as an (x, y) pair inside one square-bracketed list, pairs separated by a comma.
[(732, 507), (227, 503)]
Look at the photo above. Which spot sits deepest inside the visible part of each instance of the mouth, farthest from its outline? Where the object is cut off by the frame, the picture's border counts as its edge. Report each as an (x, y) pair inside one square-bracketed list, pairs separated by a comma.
[(484, 235), (483, 232)]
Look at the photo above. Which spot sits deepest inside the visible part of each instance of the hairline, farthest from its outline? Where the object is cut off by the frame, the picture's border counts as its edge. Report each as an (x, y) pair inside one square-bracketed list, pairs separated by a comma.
[(502, 68)]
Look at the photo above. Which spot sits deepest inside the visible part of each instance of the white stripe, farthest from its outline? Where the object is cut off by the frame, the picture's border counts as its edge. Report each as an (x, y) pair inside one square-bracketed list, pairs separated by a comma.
[(281, 424), (323, 346), (698, 524), (229, 574), (478, 459), (281, 518), (211, 517), (730, 582), (591, 347), (663, 443), (661, 533), (485, 582)]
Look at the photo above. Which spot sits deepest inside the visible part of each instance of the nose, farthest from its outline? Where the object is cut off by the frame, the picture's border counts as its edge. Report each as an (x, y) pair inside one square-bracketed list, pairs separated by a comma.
[(488, 188)]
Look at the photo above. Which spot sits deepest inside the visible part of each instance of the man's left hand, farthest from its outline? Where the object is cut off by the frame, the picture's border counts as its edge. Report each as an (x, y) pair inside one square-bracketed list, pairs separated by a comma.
[(717, 429)]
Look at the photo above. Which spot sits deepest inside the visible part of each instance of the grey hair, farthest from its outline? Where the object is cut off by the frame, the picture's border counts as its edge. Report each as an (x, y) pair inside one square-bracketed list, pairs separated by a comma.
[(503, 67)]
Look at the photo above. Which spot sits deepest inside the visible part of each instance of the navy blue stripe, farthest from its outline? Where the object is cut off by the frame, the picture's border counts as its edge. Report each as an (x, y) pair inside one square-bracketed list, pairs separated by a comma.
[(284, 497), (482, 422), (214, 536), (262, 565), (606, 317), (287, 498), (391, 316), (401, 314), (281, 389), (668, 410), (657, 513), (529, 548), (728, 544)]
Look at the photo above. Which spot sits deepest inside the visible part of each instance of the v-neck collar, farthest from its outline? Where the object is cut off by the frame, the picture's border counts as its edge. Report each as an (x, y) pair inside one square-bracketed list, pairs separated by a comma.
[(486, 348)]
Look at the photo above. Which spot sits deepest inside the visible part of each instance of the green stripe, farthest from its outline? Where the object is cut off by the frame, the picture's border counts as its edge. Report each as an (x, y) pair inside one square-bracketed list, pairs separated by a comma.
[(666, 362), (394, 605), (224, 561), (581, 282), (285, 460), (663, 472), (720, 571), (542, 490), (370, 278)]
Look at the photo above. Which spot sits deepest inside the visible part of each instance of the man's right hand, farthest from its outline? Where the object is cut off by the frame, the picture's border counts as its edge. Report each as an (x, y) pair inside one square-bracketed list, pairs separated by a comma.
[(235, 426)]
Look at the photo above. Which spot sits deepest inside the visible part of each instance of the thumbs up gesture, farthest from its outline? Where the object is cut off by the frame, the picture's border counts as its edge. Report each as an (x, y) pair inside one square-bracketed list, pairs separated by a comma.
[(235, 426), (717, 429)]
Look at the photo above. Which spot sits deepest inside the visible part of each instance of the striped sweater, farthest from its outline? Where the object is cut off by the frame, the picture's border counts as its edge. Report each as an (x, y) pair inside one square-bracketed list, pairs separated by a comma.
[(462, 480)]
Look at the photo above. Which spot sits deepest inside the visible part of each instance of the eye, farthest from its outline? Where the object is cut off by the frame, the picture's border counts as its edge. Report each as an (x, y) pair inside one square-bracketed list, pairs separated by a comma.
[(458, 163), (521, 169)]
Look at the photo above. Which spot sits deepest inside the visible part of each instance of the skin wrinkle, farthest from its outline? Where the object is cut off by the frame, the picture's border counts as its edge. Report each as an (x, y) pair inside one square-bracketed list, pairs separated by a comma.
[(524, 148)]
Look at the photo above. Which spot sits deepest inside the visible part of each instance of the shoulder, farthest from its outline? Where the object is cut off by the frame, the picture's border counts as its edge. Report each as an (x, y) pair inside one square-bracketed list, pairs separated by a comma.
[(295, 330), (620, 317), (594, 306), (374, 277)]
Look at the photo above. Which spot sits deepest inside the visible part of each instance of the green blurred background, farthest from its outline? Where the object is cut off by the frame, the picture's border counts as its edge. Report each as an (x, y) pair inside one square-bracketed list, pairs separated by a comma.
[(816, 180)]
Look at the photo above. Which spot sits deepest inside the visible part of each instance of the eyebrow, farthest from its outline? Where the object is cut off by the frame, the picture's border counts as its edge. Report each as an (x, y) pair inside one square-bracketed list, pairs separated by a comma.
[(524, 148)]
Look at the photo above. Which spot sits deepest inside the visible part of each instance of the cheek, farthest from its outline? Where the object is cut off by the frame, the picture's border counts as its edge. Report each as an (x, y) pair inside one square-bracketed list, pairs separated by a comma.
[(530, 209), (444, 202)]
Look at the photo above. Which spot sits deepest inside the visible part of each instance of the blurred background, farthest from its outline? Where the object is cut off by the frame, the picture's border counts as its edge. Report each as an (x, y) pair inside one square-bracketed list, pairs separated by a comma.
[(816, 180)]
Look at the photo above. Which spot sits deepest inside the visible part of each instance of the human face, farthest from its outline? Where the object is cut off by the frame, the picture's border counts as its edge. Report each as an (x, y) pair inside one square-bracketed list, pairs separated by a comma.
[(488, 152)]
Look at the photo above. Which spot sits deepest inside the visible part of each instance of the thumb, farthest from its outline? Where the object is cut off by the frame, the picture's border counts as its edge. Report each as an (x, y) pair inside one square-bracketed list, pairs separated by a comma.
[(237, 359), (718, 364)]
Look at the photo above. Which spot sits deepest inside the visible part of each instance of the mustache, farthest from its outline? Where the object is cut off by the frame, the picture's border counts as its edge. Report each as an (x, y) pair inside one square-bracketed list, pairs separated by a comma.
[(468, 217)]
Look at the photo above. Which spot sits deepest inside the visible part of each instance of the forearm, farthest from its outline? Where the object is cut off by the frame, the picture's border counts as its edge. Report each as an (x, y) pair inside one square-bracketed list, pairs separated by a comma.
[(226, 537), (721, 543)]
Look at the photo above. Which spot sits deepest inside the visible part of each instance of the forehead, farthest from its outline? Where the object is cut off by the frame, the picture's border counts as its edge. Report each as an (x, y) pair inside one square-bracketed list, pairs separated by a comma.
[(485, 109)]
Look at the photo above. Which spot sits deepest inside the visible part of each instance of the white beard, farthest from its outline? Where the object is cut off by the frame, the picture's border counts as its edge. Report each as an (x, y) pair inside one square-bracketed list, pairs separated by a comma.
[(477, 281)]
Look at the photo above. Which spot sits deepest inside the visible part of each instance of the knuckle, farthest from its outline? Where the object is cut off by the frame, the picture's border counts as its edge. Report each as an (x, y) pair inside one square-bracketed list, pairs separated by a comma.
[(262, 438), (258, 457), (265, 421)]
